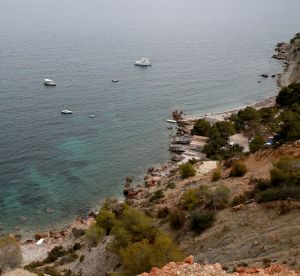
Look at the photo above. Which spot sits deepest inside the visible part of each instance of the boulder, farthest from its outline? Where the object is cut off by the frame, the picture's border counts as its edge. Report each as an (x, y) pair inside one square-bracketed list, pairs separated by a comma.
[(40, 235)]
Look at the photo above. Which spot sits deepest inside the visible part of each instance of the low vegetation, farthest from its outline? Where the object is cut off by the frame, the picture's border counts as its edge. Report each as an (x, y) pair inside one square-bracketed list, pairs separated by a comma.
[(206, 197), (187, 170), (201, 221), (10, 253), (257, 143), (238, 169), (142, 256), (216, 175), (177, 219)]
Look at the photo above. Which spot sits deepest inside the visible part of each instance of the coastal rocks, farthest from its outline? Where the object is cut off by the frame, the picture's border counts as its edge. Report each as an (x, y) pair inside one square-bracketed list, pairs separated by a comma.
[(92, 214), (238, 207), (41, 235), (177, 115)]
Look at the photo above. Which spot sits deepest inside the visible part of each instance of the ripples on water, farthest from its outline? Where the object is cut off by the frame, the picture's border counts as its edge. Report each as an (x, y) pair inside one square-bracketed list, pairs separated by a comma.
[(206, 57)]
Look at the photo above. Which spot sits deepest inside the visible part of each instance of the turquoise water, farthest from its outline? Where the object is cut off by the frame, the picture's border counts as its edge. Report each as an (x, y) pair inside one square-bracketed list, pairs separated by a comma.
[(206, 57)]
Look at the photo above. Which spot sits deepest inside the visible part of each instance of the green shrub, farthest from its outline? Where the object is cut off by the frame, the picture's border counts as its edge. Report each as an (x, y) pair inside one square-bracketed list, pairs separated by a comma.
[(157, 195), (277, 193), (187, 170), (54, 254), (31, 266), (94, 235), (177, 219), (70, 258), (163, 212), (257, 143), (201, 127), (10, 253), (290, 127), (216, 175), (77, 232), (206, 197), (201, 221), (289, 95), (50, 270), (190, 199), (218, 198), (142, 256), (249, 114), (240, 199), (286, 171), (135, 226), (106, 220), (238, 169), (171, 185), (224, 128), (261, 184)]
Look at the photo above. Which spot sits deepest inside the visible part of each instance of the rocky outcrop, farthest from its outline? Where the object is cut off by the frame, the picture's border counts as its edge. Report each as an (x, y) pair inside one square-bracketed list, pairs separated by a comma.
[(189, 268)]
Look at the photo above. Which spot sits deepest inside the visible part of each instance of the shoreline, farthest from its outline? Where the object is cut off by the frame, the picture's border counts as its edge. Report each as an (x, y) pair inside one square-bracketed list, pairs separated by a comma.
[(32, 252)]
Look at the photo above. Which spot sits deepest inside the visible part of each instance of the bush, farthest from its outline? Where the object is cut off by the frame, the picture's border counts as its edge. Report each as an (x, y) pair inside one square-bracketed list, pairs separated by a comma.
[(81, 259), (190, 199), (286, 171), (77, 232), (290, 127), (54, 254), (218, 198), (10, 253), (142, 256), (206, 197), (257, 143), (202, 127), (277, 193), (187, 170), (201, 221), (106, 220), (240, 199), (171, 185), (289, 95), (177, 219), (238, 169), (216, 175), (135, 226), (163, 212), (157, 195), (94, 235), (261, 184)]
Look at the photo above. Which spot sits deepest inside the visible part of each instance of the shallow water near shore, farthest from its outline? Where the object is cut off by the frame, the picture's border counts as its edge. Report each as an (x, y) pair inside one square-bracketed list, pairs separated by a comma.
[(206, 57)]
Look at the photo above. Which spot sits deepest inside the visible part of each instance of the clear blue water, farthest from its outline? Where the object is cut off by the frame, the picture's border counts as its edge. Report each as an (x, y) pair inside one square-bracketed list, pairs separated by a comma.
[(206, 56)]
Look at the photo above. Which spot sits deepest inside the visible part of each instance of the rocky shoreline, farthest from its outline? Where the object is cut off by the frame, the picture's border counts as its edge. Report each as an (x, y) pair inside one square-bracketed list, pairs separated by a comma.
[(31, 251)]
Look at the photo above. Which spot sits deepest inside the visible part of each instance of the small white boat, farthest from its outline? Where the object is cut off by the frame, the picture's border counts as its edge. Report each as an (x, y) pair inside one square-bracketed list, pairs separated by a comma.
[(39, 242), (171, 121), (143, 62), (92, 116), (115, 80), (66, 111), (49, 82)]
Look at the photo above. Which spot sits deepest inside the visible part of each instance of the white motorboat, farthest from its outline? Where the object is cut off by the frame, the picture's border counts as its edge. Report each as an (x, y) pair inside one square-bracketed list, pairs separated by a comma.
[(171, 121), (115, 80), (49, 82), (143, 62), (92, 116), (66, 111)]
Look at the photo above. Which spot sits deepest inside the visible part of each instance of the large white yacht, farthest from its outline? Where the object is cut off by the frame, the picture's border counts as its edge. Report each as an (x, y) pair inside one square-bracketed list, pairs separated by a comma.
[(49, 82), (143, 62)]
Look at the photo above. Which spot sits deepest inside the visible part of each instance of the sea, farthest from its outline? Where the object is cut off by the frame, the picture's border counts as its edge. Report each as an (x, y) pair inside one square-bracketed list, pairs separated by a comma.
[(206, 57)]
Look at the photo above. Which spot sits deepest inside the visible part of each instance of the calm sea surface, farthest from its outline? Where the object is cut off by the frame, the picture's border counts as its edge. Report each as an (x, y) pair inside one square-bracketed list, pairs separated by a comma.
[(206, 56)]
